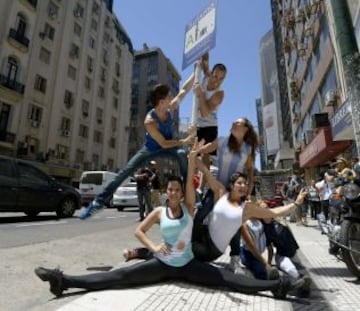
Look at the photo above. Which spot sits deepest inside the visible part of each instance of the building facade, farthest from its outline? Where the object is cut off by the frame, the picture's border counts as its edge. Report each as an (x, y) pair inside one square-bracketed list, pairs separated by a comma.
[(150, 67), (65, 86), (314, 85)]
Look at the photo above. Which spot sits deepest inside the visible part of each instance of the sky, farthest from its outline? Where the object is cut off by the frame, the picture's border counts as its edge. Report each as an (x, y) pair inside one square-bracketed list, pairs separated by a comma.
[(240, 26)]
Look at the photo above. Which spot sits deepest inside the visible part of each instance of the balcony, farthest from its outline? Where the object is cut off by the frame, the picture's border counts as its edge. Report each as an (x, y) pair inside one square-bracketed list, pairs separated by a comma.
[(7, 137), (12, 84), (18, 40), (30, 4)]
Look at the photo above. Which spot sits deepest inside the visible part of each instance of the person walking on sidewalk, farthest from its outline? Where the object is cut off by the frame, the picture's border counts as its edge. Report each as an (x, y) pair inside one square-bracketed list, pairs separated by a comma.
[(174, 258), (159, 142), (143, 189), (314, 200)]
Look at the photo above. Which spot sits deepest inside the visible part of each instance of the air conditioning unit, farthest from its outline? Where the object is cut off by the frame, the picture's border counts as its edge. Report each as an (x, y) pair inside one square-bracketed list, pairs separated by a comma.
[(52, 14), (320, 120), (65, 133), (293, 84), (302, 48), (35, 124), (330, 98), (308, 31), (299, 15)]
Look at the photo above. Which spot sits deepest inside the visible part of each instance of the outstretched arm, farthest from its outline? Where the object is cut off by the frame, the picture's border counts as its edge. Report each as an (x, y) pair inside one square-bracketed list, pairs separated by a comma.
[(253, 211), (190, 196), (174, 104), (216, 186)]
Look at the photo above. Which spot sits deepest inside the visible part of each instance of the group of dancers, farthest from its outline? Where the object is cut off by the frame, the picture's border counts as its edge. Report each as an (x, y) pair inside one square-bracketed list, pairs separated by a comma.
[(191, 238)]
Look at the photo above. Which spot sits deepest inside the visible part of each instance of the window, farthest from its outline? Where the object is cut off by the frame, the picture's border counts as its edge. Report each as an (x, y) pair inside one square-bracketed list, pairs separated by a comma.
[(115, 86), (110, 164), (91, 42), (68, 99), (21, 25), (52, 10), (113, 124), (6, 168), (90, 64), (83, 131), (72, 72), (94, 25), (98, 137), (49, 31), (78, 11), (77, 29), (87, 83), (79, 156), (101, 92), (106, 37), (74, 51), (45, 55), (62, 152), (40, 84), (85, 107), (34, 113), (105, 57), (103, 74), (99, 115), (65, 124), (115, 102), (11, 69), (95, 160), (95, 8), (117, 69), (112, 142), (29, 174)]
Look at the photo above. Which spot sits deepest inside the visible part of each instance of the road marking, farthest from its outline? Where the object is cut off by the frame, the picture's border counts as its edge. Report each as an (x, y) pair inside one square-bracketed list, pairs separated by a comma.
[(41, 224)]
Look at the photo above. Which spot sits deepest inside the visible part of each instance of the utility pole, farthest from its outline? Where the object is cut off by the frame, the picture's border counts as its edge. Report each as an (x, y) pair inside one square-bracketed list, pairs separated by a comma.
[(347, 53)]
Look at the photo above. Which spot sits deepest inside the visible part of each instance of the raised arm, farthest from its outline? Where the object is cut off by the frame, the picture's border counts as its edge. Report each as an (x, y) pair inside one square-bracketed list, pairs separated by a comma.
[(190, 197), (216, 186), (174, 104)]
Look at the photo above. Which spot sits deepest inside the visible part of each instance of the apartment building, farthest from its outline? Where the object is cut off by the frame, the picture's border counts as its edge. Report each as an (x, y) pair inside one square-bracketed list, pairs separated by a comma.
[(151, 67), (65, 84), (313, 82)]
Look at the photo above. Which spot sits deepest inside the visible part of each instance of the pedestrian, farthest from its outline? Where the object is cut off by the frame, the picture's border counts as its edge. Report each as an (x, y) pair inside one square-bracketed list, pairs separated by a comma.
[(297, 182), (155, 184), (143, 189), (326, 187), (174, 258), (284, 189), (210, 95), (159, 142), (314, 200)]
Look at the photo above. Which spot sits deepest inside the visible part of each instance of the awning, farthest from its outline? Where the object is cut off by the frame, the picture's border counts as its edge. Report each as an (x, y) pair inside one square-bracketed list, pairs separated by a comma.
[(322, 149)]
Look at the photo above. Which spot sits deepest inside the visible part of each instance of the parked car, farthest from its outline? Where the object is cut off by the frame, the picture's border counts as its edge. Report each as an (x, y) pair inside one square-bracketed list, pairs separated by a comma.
[(25, 188), (93, 183), (125, 196)]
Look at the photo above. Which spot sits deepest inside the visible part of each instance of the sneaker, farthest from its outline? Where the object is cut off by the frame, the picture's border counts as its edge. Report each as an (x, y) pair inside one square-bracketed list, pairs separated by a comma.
[(235, 265), (273, 274), (92, 208), (130, 253), (54, 277), (283, 288), (304, 290)]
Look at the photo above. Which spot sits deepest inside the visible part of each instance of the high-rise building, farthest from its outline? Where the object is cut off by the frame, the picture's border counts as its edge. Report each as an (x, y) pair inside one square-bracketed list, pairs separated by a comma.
[(150, 67), (65, 84), (313, 81)]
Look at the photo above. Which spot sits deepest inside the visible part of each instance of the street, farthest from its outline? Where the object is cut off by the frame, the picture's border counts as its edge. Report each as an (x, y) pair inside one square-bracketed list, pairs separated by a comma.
[(75, 245)]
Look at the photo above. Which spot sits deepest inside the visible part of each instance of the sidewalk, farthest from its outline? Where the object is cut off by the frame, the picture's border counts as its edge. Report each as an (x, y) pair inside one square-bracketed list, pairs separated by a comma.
[(333, 288)]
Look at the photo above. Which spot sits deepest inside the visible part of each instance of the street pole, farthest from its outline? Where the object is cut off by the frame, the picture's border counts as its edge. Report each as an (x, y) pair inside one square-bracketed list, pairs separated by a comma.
[(347, 53)]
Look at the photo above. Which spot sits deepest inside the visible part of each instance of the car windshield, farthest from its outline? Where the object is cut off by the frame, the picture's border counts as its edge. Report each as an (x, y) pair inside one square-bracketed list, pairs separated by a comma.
[(92, 178)]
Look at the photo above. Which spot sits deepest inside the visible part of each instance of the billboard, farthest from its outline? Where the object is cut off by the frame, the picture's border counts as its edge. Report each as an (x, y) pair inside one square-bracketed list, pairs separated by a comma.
[(271, 128)]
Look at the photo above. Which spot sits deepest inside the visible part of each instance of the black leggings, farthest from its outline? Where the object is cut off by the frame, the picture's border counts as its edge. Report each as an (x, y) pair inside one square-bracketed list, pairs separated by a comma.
[(154, 271)]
